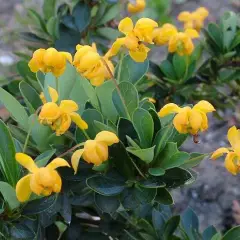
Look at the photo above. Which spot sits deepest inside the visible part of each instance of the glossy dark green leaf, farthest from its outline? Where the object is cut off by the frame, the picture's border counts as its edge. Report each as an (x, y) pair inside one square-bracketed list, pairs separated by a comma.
[(151, 183), (107, 204), (167, 68), (36, 19), (105, 185), (144, 195), (49, 8), (146, 226), (234, 233), (131, 71), (215, 34), (164, 197), (83, 200), (82, 16), (126, 105), (143, 123), (53, 27), (156, 121), (209, 233), (104, 127), (194, 160), (145, 155), (156, 171), (21, 231), (180, 64), (171, 226), (108, 33)]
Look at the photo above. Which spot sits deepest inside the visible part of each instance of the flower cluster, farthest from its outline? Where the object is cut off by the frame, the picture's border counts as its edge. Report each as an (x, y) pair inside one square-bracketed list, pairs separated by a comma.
[(59, 117), (41, 181), (194, 20), (95, 151), (49, 60), (91, 65), (232, 160), (180, 42), (136, 38), (136, 7), (189, 120)]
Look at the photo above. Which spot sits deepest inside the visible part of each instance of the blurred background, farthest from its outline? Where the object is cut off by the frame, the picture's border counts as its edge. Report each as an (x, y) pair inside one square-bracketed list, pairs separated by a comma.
[(212, 195)]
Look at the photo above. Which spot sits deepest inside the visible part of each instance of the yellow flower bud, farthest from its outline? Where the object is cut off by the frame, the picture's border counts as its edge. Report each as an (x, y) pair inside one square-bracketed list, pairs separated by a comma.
[(189, 120), (139, 6), (41, 181)]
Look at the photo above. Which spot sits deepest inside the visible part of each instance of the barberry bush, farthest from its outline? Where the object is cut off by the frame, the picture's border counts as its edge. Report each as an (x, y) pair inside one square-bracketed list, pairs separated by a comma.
[(93, 146)]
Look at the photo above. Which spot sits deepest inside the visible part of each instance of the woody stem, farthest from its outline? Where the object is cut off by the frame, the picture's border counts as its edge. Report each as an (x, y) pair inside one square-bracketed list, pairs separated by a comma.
[(70, 150), (117, 87)]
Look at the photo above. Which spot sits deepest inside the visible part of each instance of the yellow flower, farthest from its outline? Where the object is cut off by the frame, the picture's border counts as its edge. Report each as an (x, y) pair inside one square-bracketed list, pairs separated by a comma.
[(152, 100), (194, 19), (95, 151), (182, 42), (53, 94), (232, 160), (139, 6), (91, 65), (189, 120), (41, 181), (135, 37), (59, 117), (49, 60), (162, 35)]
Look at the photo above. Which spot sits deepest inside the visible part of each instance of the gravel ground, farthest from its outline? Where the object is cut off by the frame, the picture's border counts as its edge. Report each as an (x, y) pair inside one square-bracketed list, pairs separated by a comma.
[(212, 194)]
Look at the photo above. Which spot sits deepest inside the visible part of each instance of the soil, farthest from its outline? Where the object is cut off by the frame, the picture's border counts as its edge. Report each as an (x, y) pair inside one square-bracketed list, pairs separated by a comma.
[(212, 194)]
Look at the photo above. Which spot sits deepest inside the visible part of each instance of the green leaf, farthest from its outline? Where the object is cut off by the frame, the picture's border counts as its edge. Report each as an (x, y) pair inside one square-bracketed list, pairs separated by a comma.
[(143, 123), (53, 27), (104, 93), (132, 143), (209, 233), (217, 236), (8, 164), (82, 16), (167, 68), (89, 115), (171, 226), (107, 204), (78, 94), (176, 177), (9, 195), (175, 160), (161, 139), (151, 183), (16, 110), (156, 121), (158, 221), (156, 171), (164, 197), (111, 13), (49, 8), (144, 195), (147, 105), (90, 91), (121, 160), (103, 127), (36, 19), (126, 106), (30, 96), (215, 34), (106, 186), (194, 160), (42, 159), (109, 33), (145, 155), (126, 128), (145, 225), (66, 82), (40, 205), (24, 71), (234, 233), (179, 64), (131, 71), (102, 167), (21, 231)]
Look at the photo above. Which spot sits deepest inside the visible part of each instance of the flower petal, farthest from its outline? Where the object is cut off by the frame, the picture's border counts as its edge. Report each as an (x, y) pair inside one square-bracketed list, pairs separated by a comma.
[(184, 16), (23, 190), (26, 161), (229, 163), (192, 33), (204, 106), (181, 122), (234, 138), (138, 56), (68, 106), (219, 152), (107, 137), (53, 94), (115, 47), (146, 22), (79, 121), (76, 158), (57, 162), (169, 109), (68, 56), (195, 120), (126, 25)]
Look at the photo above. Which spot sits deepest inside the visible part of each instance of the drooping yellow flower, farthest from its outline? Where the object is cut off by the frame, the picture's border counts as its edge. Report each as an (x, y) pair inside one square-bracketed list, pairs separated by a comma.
[(59, 117), (41, 181), (135, 38), (49, 60), (194, 20), (232, 160), (53, 94), (136, 7), (162, 35), (189, 120), (95, 151), (182, 42), (91, 65)]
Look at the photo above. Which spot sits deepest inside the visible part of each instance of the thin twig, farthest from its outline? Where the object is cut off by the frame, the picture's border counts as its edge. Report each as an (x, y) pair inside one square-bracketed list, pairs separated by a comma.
[(70, 150)]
